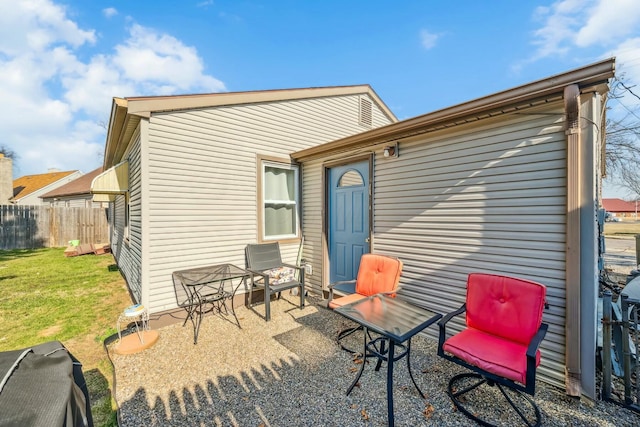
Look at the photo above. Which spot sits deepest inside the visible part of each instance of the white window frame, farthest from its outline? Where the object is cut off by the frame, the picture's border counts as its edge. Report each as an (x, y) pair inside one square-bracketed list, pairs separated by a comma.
[(286, 165), (127, 217)]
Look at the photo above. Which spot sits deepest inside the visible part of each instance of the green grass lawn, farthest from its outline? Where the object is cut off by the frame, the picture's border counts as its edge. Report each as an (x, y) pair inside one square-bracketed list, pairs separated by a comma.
[(622, 228), (46, 296)]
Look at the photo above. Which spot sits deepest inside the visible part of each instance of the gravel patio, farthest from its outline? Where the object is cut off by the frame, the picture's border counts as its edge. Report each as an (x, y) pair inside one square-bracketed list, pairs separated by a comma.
[(291, 372)]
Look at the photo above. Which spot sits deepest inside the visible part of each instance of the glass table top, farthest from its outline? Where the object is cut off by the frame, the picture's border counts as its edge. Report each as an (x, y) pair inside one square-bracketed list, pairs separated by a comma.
[(209, 274), (389, 316)]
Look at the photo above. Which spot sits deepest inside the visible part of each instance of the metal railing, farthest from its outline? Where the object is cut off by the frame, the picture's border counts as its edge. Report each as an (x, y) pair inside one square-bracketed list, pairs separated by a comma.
[(620, 339)]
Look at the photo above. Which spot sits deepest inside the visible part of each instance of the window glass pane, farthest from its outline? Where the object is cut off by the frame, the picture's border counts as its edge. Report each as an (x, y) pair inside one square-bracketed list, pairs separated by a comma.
[(279, 220), (350, 178), (279, 184), (280, 200)]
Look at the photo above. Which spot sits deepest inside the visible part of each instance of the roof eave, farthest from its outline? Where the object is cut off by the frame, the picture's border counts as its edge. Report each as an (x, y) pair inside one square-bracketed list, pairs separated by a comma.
[(119, 132), (145, 106), (586, 77), (126, 110)]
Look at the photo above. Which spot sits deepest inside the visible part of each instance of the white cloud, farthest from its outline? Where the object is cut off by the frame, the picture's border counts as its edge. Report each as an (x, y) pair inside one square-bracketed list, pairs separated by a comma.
[(34, 25), (162, 63), (205, 3), (608, 21), (110, 12), (428, 39), (55, 102), (570, 24)]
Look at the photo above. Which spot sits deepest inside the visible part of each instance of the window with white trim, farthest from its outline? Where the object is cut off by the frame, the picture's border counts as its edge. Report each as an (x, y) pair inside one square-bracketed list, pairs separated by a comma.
[(280, 197), (127, 217)]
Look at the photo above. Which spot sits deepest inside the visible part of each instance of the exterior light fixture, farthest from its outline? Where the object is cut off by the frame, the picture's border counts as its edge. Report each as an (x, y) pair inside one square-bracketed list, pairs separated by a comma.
[(391, 150)]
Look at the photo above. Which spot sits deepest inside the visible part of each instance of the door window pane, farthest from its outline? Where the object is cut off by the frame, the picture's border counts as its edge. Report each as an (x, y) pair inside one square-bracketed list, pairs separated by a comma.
[(350, 178)]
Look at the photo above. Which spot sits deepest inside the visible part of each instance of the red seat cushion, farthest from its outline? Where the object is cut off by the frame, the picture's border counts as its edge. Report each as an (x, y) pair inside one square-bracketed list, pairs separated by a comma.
[(493, 354)]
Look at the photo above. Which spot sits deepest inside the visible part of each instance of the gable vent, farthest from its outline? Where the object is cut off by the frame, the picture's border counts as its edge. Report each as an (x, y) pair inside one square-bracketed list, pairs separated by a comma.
[(365, 112)]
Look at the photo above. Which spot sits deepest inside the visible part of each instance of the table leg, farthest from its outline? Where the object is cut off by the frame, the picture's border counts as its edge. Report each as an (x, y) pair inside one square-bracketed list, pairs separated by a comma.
[(364, 361), (196, 326), (233, 294), (409, 368), (382, 353), (390, 383)]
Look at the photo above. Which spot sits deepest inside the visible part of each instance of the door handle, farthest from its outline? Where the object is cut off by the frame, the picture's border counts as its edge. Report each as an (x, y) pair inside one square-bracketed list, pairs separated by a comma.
[(367, 240)]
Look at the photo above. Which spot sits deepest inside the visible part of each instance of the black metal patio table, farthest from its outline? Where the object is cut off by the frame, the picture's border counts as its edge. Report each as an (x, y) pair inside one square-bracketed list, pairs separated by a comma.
[(210, 285), (396, 322)]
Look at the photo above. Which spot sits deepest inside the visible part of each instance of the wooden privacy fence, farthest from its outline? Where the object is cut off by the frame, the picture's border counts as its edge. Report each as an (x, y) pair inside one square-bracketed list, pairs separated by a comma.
[(26, 227)]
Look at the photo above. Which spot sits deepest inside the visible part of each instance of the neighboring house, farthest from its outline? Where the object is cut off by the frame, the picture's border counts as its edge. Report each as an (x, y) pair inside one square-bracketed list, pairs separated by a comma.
[(193, 179), (620, 208), (74, 194), (506, 184), (28, 189)]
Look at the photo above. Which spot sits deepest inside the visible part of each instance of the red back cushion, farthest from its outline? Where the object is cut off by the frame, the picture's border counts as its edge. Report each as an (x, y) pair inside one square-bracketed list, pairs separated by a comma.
[(503, 306), (378, 273)]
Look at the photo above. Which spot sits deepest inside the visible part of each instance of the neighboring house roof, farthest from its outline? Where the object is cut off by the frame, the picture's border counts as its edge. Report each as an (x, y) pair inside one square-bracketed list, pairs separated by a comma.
[(618, 205), (76, 187), (28, 184), (126, 112), (538, 92)]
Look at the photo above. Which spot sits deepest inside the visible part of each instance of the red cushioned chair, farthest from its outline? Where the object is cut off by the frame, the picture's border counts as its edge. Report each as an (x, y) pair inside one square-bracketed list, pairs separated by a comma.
[(500, 343), (376, 274)]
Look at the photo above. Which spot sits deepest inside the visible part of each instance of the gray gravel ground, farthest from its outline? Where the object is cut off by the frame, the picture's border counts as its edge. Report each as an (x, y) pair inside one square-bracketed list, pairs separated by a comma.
[(290, 372)]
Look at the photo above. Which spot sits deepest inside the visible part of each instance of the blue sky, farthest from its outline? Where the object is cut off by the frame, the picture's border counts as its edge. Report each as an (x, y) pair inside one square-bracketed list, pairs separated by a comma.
[(63, 61)]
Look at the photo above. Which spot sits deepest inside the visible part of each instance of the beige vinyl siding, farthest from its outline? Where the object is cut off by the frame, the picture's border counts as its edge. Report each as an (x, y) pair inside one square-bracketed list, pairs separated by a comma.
[(202, 178), (312, 199), (483, 197), (488, 198), (128, 252)]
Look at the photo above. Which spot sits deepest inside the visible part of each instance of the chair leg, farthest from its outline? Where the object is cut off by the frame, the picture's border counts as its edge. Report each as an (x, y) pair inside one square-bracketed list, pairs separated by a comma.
[(532, 417), (302, 296), (345, 333), (267, 305)]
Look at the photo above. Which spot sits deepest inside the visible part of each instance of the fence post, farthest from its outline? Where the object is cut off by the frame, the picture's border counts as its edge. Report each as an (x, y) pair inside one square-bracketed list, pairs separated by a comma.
[(626, 349), (606, 345)]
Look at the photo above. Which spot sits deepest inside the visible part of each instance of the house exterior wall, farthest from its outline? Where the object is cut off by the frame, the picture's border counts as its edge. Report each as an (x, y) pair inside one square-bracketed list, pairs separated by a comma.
[(128, 250), (200, 190), (80, 201), (489, 196)]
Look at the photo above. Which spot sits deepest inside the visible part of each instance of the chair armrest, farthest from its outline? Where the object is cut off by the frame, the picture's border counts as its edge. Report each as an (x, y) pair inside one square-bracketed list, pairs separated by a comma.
[(257, 273), (335, 284), (342, 282), (442, 324), (392, 293), (297, 267), (451, 315), (532, 349), (536, 340)]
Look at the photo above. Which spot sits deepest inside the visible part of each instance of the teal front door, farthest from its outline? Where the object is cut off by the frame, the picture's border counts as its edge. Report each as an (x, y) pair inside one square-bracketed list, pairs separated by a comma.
[(348, 219)]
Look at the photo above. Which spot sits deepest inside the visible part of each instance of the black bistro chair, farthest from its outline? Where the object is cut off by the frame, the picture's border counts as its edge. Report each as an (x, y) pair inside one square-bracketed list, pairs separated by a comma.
[(500, 345), (271, 274)]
